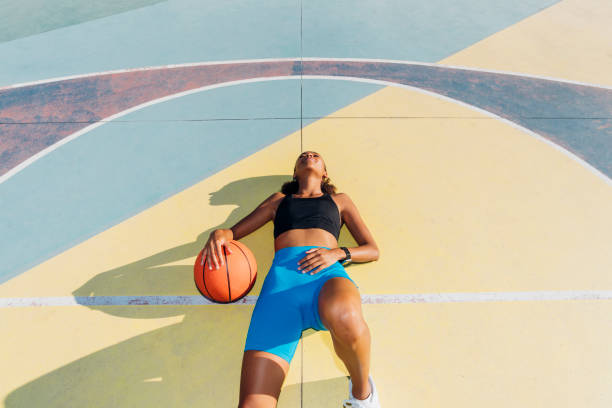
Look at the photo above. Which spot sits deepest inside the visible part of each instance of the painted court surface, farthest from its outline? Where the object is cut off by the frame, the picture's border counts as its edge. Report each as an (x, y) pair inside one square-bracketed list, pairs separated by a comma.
[(475, 138)]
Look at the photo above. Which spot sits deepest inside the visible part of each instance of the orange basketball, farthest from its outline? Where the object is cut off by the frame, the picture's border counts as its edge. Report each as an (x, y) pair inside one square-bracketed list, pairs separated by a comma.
[(233, 280)]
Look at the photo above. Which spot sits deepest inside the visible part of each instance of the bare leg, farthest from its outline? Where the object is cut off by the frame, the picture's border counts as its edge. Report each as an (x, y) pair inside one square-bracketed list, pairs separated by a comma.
[(340, 311), (356, 357), (261, 380)]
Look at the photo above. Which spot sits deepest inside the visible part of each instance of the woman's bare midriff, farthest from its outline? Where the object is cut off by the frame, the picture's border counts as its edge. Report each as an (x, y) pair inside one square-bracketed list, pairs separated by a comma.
[(307, 236)]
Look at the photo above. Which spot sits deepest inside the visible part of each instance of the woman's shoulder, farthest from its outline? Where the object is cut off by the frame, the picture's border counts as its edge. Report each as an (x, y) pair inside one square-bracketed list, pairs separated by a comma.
[(273, 199), (340, 199), (278, 197), (343, 200), (340, 196)]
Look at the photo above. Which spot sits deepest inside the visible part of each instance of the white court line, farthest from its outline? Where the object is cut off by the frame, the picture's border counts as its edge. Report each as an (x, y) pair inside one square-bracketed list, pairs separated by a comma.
[(195, 300)]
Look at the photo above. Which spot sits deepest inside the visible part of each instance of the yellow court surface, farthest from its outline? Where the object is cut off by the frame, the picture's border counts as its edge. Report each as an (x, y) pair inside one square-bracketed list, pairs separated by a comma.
[(475, 140)]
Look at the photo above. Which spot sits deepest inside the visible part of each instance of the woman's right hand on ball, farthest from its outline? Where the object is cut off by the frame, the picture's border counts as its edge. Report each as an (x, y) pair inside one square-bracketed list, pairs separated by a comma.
[(213, 250)]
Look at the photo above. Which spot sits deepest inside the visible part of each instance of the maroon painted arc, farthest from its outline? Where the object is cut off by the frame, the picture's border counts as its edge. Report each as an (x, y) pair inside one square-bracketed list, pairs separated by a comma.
[(36, 116)]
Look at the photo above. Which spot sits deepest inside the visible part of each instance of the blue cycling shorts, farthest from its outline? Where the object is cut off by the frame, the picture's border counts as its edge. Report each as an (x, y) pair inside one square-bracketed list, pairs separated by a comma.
[(288, 303)]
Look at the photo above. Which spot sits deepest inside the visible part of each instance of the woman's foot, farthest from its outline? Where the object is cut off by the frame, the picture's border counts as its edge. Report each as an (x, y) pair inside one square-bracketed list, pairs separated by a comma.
[(371, 401)]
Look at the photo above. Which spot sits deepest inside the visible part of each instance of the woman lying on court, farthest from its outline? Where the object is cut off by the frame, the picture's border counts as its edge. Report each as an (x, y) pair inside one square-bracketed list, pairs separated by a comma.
[(306, 286)]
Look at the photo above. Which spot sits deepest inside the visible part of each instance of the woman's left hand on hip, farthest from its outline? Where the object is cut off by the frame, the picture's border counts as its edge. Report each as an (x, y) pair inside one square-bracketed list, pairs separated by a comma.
[(317, 260)]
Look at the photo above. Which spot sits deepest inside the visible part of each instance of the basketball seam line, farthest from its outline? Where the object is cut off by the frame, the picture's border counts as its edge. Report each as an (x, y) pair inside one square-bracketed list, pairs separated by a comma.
[(229, 288), (204, 278), (248, 263)]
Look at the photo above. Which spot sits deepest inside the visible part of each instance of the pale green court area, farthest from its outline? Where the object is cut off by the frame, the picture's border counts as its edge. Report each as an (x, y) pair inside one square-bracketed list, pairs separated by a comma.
[(186, 31), (29, 17)]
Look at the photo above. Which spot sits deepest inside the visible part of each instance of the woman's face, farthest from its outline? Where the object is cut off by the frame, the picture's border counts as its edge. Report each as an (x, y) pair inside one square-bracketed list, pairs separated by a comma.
[(312, 160)]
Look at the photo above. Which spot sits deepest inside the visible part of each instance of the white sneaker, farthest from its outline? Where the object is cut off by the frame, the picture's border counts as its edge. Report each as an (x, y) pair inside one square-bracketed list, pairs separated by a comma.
[(370, 402)]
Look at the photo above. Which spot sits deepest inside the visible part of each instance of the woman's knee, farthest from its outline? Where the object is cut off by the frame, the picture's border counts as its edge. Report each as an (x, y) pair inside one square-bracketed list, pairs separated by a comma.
[(343, 319), (340, 307), (348, 326)]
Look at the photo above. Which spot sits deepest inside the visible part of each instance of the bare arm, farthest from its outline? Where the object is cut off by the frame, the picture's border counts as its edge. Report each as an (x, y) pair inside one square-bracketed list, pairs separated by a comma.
[(219, 238), (367, 249), (257, 218)]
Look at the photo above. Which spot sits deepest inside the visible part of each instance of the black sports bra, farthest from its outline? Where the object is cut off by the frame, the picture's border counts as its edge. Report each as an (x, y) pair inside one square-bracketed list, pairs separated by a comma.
[(318, 212)]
